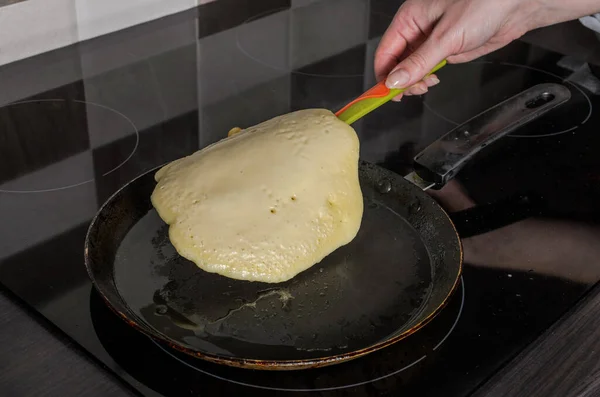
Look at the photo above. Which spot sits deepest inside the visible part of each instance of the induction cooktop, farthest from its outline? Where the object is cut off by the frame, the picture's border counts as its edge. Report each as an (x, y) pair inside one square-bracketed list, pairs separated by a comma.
[(150, 94)]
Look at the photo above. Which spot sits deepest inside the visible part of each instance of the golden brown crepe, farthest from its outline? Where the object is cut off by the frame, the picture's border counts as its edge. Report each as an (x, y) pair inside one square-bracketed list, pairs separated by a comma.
[(269, 201)]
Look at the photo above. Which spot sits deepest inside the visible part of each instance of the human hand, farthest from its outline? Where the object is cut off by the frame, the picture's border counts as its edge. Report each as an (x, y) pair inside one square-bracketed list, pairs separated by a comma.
[(425, 32), (419, 88)]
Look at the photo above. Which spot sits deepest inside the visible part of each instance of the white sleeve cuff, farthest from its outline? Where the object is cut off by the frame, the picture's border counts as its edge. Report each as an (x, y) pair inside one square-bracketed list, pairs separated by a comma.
[(591, 22)]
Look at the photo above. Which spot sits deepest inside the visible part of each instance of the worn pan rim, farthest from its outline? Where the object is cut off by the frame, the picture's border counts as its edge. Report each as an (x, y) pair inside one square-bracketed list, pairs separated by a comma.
[(274, 365)]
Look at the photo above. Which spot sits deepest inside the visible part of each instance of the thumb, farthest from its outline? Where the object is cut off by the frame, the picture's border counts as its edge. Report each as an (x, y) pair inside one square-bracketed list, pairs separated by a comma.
[(418, 64)]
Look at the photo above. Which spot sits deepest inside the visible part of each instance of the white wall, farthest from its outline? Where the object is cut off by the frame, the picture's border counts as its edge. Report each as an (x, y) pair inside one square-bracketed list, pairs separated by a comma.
[(251, 94), (32, 27), (95, 18), (35, 26)]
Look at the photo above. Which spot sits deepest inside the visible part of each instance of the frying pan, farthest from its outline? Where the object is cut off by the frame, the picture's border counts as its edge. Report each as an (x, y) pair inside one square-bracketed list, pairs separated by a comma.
[(390, 281)]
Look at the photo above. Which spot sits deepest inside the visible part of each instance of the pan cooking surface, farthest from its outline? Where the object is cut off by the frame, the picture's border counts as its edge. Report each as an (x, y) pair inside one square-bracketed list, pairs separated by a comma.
[(391, 366), (359, 295), (388, 282)]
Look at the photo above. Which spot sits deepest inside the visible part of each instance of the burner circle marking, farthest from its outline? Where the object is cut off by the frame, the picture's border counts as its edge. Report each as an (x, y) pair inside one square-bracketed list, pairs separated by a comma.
[(322, 389), (137, 141), (585, 119), (256, 59)]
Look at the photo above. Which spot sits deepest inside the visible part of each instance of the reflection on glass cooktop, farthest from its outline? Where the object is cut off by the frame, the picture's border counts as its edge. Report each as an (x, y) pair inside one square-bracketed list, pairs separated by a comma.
[(145, 96)]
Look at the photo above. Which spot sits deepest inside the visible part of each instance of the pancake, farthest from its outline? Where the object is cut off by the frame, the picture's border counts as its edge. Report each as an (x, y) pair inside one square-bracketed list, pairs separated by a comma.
[(269, 201)]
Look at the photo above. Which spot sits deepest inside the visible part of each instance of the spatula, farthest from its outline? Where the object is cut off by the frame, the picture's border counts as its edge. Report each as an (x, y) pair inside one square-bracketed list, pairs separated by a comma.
[(372, 99)]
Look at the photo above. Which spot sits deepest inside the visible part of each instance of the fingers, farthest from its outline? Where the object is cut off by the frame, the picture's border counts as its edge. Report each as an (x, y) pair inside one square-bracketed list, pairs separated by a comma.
[(431, 80), (397, 98), (423, 86), (419, 88), (418, 64), (409, 29), (390, 48), (463, 33), (392, 45)]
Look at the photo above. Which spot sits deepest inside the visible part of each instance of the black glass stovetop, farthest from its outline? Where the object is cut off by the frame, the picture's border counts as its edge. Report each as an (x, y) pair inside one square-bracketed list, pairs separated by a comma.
[(133, 100)]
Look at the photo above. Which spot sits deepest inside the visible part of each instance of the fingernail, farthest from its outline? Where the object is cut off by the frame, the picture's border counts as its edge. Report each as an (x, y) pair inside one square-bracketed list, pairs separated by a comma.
[(418, 90), (397, 79), (431, 81)]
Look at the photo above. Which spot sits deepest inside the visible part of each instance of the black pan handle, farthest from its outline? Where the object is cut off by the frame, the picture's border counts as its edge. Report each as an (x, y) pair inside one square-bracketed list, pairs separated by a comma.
[(441, 161), (484, 218)]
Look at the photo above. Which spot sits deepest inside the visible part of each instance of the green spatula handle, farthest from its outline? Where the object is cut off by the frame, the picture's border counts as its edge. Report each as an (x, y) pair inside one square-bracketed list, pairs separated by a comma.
[(372, 99)]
